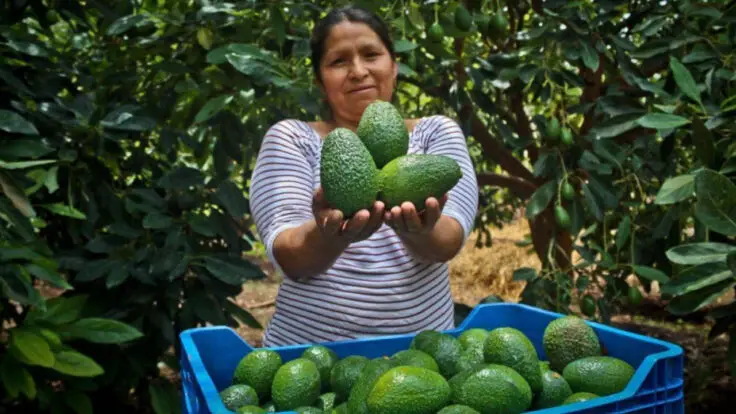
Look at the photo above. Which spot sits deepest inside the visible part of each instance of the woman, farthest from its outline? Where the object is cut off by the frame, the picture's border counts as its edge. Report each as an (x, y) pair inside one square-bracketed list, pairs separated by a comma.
[(382, 271)]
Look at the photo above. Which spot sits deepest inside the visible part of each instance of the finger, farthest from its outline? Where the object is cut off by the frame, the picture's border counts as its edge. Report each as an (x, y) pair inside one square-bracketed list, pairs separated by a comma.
[(432, 214), (396, 220), (443, 200), (333, 221), (355, 224), (411, 218)]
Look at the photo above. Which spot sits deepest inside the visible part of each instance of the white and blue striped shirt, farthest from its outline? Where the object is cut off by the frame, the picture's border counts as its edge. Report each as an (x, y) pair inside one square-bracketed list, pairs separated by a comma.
[(375, 287)]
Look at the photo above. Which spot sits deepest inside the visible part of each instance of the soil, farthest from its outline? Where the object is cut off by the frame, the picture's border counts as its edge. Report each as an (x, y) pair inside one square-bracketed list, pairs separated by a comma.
[(478, 272)]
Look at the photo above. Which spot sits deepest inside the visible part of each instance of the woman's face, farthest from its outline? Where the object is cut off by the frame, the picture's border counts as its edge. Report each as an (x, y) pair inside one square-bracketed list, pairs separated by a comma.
[(356, 69)]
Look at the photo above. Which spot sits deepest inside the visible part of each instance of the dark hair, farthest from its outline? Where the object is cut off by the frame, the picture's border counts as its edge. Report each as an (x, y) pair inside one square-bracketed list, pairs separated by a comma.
[(353, 14)]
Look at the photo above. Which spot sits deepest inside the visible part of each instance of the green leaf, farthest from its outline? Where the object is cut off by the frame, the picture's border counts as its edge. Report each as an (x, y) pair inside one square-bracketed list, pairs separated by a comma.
[(241, 315), (181, 178), (731, 262), (540, 199), (51, 182), (676, 189), (102, 331), (117, 276), (76, 364), (697, 277), (716, 205), (592, 202), (231, 198), (589, 55), (225, 271), (20, 165), (16, 195), (616, 125), (525, 273), (686, 304), (404, 45), (64, 210), (78, 401), (651, 273), (95, 269), (699, 253), (126, 23), (48, 275), (164, 398), (24, 148), (32, 347), (157, 221), (703, 139), (684, 79), (62, 310), (662, 121), (16, 378), (212, 107), (623, 232), (14, 123)]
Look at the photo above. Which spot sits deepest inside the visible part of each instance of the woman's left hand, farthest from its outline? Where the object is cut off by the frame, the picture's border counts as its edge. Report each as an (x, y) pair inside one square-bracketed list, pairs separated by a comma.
[(405, 219)]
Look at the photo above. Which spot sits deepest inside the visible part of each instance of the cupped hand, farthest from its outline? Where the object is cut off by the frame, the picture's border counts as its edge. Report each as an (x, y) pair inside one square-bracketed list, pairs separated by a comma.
[(337, 229), (405, 219)]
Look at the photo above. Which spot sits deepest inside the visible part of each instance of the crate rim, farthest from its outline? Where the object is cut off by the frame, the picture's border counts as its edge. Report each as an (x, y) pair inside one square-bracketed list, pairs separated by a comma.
[(210, 394)]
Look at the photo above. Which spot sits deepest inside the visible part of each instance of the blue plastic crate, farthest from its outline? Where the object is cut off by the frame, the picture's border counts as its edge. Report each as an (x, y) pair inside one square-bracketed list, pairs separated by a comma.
[(210, 355)]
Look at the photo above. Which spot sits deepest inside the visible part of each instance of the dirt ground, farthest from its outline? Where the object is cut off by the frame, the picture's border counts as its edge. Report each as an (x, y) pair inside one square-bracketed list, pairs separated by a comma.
[(479, 272)]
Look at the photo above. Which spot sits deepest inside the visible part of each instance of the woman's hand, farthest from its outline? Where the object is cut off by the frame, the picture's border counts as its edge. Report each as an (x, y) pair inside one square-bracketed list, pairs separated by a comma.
[(342, 231), (405, 219)]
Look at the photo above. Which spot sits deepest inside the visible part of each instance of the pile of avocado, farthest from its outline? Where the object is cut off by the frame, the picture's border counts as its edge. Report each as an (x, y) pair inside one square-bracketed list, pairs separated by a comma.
[(358, 168), (477, 372)]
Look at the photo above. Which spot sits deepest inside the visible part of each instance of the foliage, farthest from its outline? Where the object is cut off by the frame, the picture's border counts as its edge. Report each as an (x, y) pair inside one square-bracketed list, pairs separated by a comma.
[(124, 163)]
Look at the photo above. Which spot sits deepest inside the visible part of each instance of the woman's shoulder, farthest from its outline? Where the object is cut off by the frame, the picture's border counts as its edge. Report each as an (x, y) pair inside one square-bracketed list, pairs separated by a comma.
[(291, 128)]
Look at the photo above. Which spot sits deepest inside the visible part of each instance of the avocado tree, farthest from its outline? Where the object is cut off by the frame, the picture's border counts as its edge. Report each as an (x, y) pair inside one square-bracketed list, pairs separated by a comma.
[(582, 111)]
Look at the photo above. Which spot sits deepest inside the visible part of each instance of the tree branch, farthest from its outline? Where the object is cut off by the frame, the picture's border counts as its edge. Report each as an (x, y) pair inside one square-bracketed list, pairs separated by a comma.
[(518, 186), (523, 124)]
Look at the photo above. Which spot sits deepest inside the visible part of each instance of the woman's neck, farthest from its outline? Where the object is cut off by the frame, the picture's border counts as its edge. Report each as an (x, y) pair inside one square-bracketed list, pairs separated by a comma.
[(341, 123)]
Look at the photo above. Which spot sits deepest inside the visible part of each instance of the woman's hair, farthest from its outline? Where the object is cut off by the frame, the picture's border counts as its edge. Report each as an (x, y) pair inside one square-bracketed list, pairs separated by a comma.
[(353, 14)]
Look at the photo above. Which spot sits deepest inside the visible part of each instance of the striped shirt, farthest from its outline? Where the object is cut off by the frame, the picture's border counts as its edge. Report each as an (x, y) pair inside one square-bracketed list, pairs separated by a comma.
[(375, 287)]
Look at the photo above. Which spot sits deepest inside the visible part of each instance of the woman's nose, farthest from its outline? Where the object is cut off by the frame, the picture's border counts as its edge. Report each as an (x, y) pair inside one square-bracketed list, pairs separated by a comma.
[(359, 70)]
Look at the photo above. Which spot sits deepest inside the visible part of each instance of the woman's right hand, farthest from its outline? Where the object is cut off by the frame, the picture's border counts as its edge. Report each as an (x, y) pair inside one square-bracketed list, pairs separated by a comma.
[(342, 231)]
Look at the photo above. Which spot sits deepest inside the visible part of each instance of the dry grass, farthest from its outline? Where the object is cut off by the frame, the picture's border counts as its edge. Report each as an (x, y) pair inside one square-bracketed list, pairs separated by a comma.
[(479, 272)]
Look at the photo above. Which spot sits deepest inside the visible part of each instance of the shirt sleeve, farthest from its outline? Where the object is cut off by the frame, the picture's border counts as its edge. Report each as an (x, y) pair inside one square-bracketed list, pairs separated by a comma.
[(446, 138), (281, 186)]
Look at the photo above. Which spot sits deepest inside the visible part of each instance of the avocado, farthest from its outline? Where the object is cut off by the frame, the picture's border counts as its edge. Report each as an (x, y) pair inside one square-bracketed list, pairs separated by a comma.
[(509, 346), (296, 384), (562, 218), (409, 390), (446, 351), (463, 19), (344, 375), (492, 389), (474, 337), (435, 32), (567, 339), (348, 173), (326, 401), (568, 191), (470, 358), (600, 375), (325, 358), (579, 397), (251, 409), (416, 358), (457, 409), (257, 369), (416, 177), (554, 391), (383, 131), (358, 399), (238, 395)]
